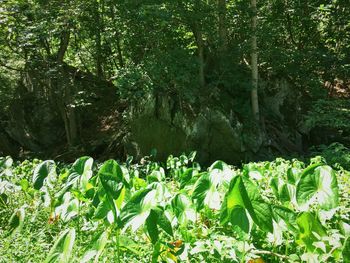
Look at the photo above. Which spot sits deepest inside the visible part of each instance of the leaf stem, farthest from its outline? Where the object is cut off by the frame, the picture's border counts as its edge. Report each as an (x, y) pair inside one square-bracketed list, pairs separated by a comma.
[(265, 252), (118, 245)]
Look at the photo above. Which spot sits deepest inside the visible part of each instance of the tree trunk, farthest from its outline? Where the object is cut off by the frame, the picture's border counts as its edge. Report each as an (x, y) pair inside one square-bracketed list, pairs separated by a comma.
[(197, 32), (65, 36), (200, 46), (65, 100), (119, 49), (118, 41), (99, 70), (222, 28), (254, 62)]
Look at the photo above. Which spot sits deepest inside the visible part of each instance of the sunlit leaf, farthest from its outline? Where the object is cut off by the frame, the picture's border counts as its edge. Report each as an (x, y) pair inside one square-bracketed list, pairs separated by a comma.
[(96, 247), (44, 172), (318, 184), (62, 249), (310, 230), (16, 221)]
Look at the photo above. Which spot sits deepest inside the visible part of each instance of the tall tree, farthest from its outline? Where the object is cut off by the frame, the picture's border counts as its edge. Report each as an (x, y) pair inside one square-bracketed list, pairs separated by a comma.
[(254, 63), (222, 25)]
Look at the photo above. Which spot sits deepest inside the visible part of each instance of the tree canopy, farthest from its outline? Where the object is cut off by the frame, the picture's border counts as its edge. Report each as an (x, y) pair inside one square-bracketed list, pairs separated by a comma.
[(56, 57)]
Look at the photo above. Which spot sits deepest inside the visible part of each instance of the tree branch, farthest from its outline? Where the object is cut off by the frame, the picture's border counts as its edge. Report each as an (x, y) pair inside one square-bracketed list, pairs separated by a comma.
[(265, 252), (65, 36), (2, 64)]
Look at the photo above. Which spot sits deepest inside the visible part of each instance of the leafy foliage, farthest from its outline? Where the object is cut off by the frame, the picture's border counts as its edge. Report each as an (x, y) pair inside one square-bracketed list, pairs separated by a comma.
[(264, 211), (194, 52)]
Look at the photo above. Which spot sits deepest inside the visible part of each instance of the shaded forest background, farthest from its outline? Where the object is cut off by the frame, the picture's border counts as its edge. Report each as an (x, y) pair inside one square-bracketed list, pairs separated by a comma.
[(111, 78)]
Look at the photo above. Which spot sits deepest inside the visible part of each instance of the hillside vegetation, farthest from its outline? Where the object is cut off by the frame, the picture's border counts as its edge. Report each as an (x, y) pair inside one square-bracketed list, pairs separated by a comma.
[(233, 80)]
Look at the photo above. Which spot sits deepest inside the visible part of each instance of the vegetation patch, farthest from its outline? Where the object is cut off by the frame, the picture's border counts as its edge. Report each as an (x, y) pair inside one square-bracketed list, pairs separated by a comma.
[(279, 211)]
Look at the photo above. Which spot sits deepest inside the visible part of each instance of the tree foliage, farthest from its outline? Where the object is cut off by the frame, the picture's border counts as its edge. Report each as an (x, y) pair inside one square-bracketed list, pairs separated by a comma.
[(195, 51)]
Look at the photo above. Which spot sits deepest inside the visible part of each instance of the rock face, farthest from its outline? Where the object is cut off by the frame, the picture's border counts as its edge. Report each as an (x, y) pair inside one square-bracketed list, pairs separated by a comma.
[(215, 132), (38, 118), (108, 127), (8, 146), (156, 124)]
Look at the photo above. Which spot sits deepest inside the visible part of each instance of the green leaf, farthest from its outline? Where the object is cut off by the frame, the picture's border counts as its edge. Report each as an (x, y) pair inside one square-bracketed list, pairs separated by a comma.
[(274, 184), (287, 215), (152, 228), (318, 184), (156, 176), (310, 230), (292, 175), (80, 174), (262, 213), (243, 196), (129, 244), (110, 173), (83, 165), (112, 181), (96, 247), (8, 162), (183, 208), (284, 193), (5, 166), (164, 222), (24, 184), (44, 172), (62, 249), (156, 252), (102, 210), (136, 211), (232, 199), (235, 203), (220, 173), (346, 250), (16, 221), (210, 187), (68, 209), (120, 199), (239, 218), (281, 189), (3, 199), (187, 176), (201, 189)]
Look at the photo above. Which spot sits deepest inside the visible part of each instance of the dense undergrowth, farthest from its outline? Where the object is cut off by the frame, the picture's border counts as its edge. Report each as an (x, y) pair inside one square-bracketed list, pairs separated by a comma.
[(279, 211)]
